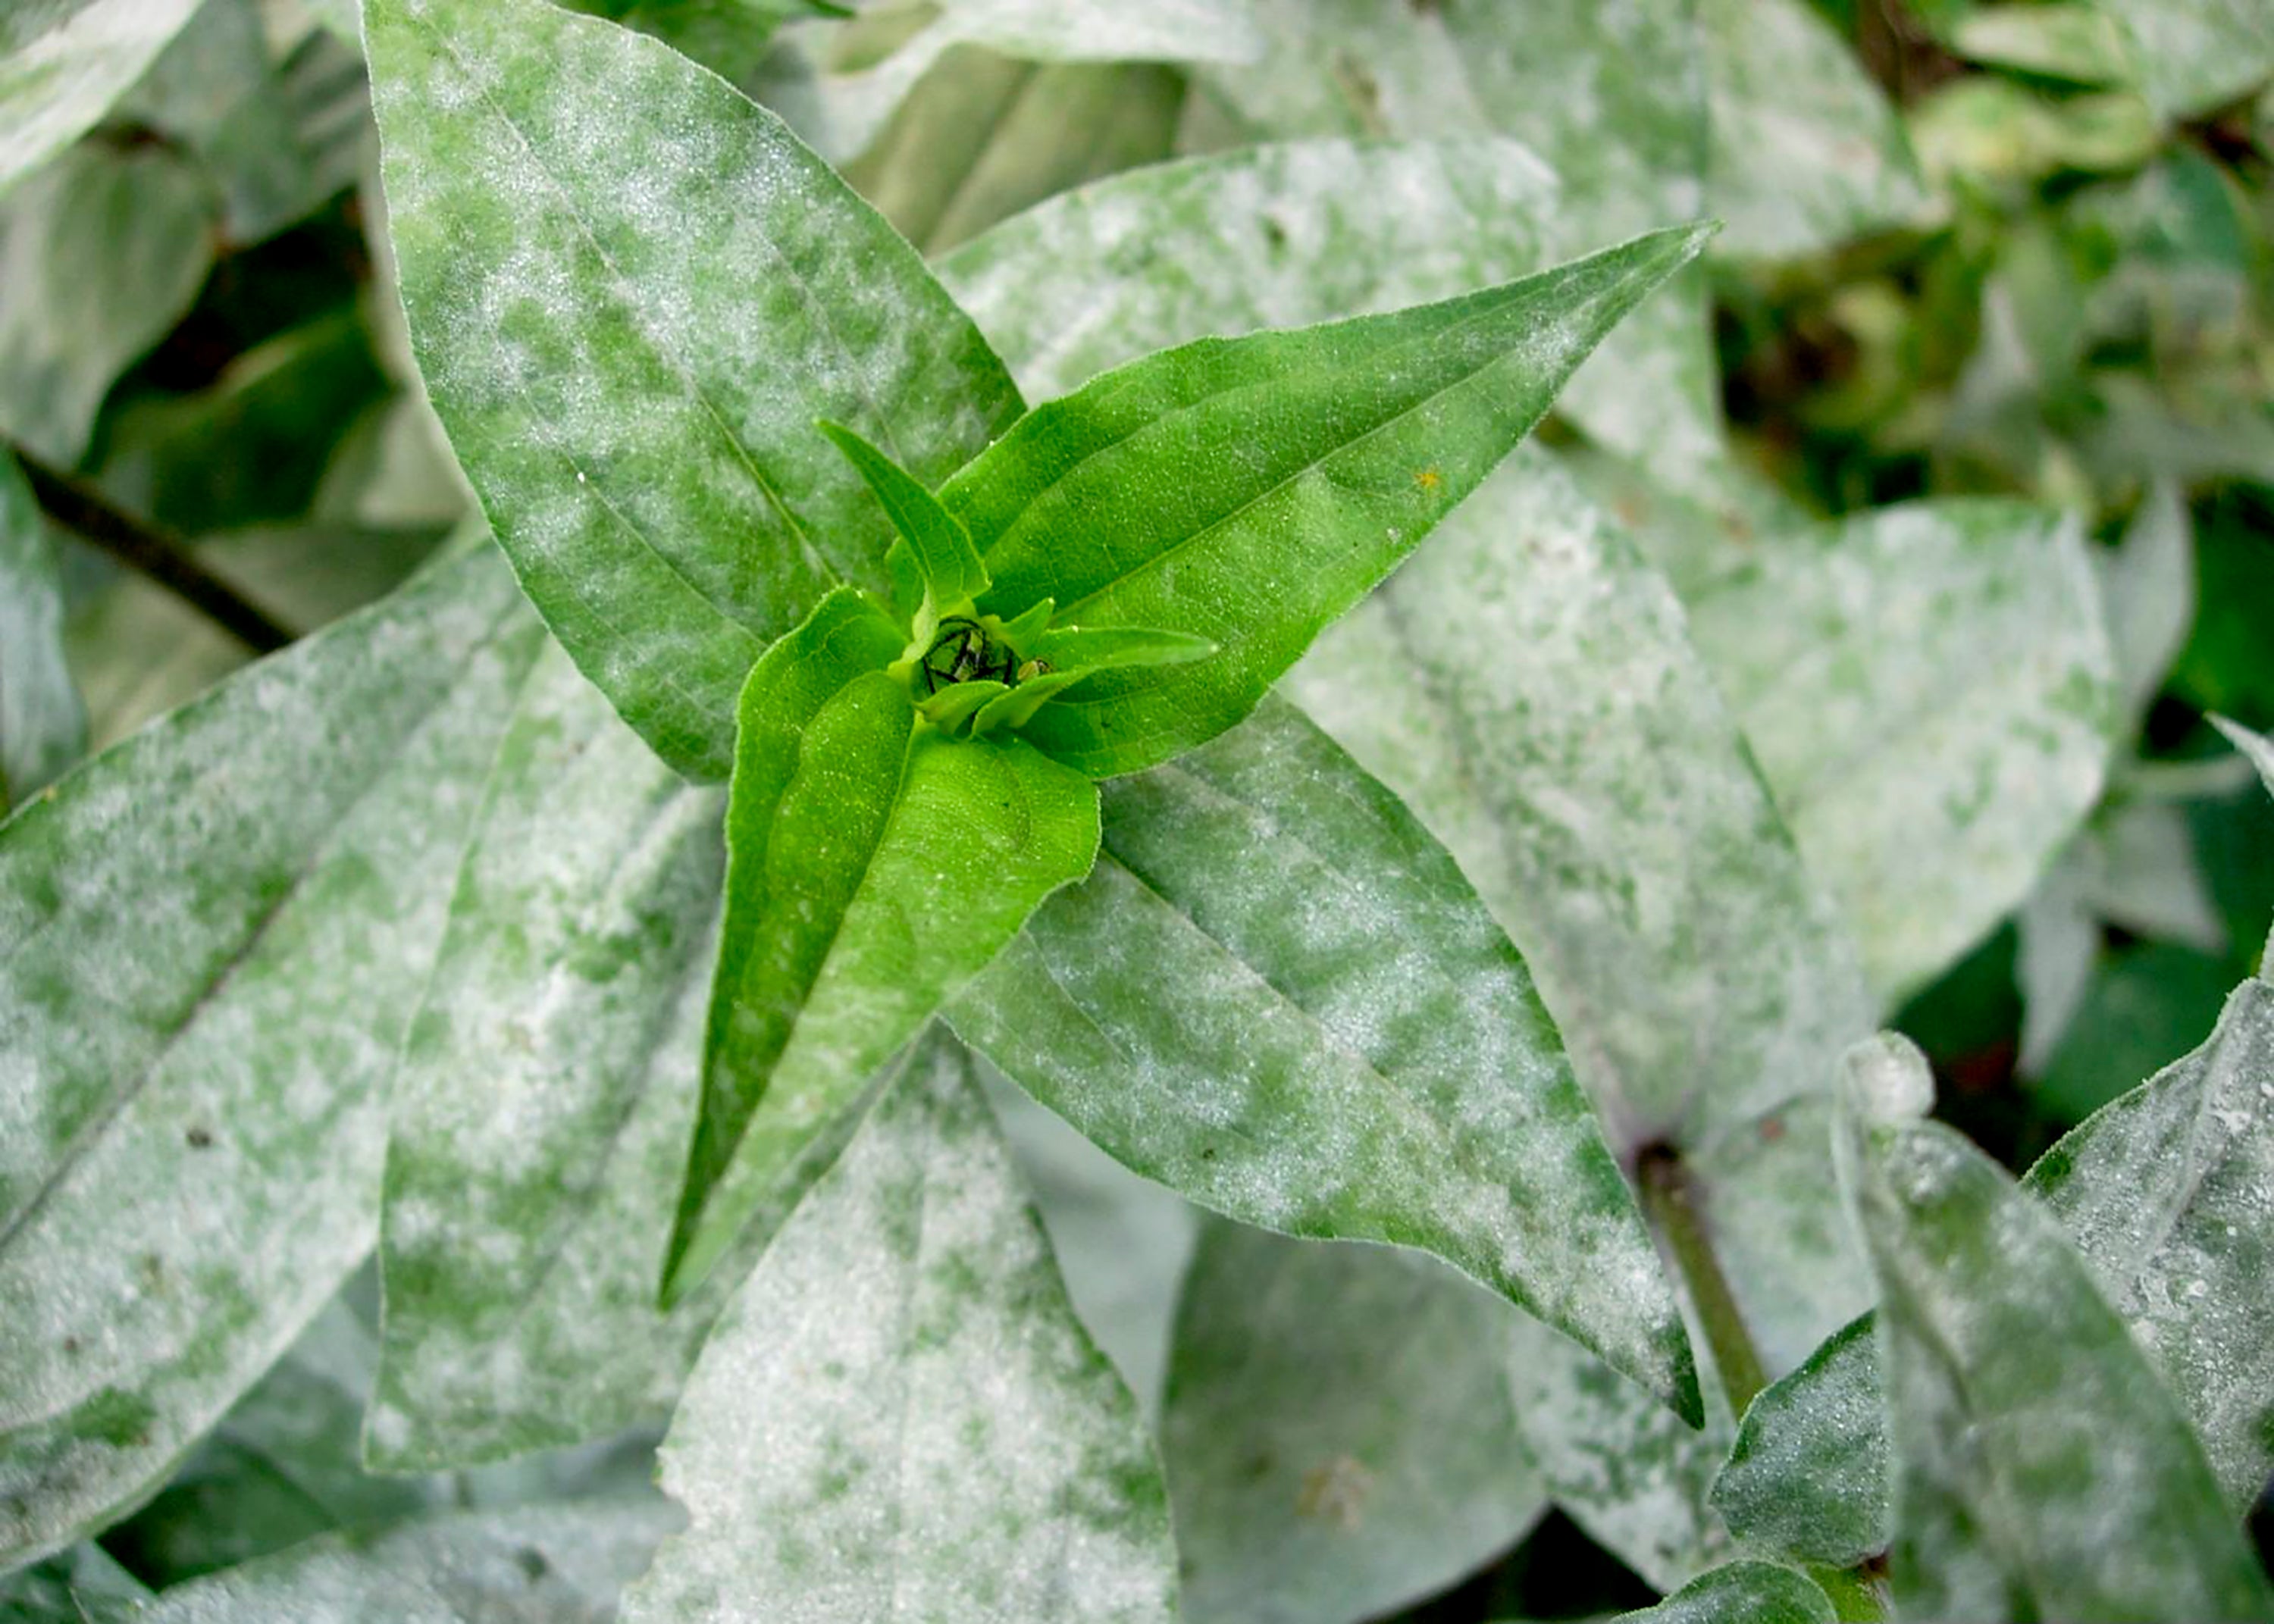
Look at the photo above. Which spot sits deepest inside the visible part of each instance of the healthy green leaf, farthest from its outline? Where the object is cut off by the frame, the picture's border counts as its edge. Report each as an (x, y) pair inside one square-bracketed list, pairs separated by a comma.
[(1301, 1495), (1251, 490), (873, 868), (632, 293), (2043, 1467), (1396, 1078), (1805, 150), (101, 253), (983, 136), (1928, 690), (194, 1112), (940, 1439), (564, 1564), (42, 723), (524, 1217), (62, 63), (945, 556)]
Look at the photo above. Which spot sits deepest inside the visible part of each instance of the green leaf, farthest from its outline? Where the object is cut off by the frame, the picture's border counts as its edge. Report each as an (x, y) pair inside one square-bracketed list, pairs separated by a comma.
[(2148, 586), (177, 1197), (42, 723), (945, 556), (1251, 490), (1928, 690), (101, 253), (873, 868), (2043, 1467), (85, 1585), (729, 37), (1105, 648), (1807, 1477), (2077, 42), (1741, 1593), (632, 292), (524, 1218), (1396, 1080), (941, 1437), (2191, 56), (1300, 1495), (62, 63), (1805, 149), (984, 135), (559, 1563)]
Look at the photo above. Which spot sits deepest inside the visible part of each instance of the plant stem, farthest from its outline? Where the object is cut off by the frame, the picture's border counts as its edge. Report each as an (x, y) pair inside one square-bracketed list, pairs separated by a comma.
[(156, 553), (1668, 1201)]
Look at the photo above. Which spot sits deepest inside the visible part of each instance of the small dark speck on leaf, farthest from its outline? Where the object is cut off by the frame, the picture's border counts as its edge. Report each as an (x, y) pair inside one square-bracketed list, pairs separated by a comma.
[(531, 1562), (198, 1138), (1772, 1130), (1274, 233)]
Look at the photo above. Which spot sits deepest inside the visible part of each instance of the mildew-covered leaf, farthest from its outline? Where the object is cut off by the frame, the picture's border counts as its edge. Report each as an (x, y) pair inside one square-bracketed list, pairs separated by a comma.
[(1928, 690), (192, 1112), (2148, 586), (2042, 1467), (2169, 1194), (548, 1087), (1251, 490), (84, 1585), (1741, 1593), (563, 1564), (632, 292), (1805, 151), (1278, 997), (839, 84), (2190, 55), (873, 867), (939, 1437), (984, 135), (101, 253), (42, 723), (1338, 1434), (1611, 97), (62, 63)]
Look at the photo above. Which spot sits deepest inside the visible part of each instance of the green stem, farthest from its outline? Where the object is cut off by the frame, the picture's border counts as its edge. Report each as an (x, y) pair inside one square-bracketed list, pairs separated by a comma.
[(1669, 1201), (144, 547)]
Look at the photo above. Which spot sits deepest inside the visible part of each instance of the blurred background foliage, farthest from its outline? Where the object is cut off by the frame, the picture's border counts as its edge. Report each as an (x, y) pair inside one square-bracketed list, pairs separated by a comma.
[(2012, 249)]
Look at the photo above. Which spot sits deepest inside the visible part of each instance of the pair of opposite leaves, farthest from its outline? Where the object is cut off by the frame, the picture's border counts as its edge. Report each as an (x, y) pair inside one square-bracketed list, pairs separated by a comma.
[(1166, 540)]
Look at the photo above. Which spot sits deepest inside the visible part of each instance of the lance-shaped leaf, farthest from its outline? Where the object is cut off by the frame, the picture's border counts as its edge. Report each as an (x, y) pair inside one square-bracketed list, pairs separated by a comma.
[(632, 292), (1338, 1434), (2043, 1467), (566, 1564), (64, 62), (524, 1217), (1278, 997), (2166, 1192), (42, 723), (1741, 1593), (873, 868), (941, 1439), (946, 559), (192, 1113), (1249, 491)]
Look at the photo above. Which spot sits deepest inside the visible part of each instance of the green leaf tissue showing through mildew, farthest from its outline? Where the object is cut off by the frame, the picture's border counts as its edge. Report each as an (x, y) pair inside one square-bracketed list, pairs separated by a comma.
[(526, 1218), (1301, 1496), (1740, 1593), (42, 722), (64, 62), (873, 866), (899, 1414), (2043, 1467), (192, 1110), (1278, 997), (632, 292), (1250, 491)]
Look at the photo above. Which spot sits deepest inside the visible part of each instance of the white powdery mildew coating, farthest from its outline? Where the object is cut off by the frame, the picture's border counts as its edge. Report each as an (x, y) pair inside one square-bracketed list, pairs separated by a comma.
[(1807, 152), (1928, 689), (541, 1112), (632, 293), (1300, 1497), (212, 938), (2148, 588), (1755, 1592), (560, 1564), (2041, 1465), (899, 1416), (1526, 683), (42, 724), (2192, 55), (1808, 1474), (1279, 997), (62, 63)]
